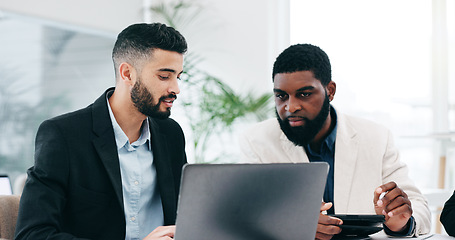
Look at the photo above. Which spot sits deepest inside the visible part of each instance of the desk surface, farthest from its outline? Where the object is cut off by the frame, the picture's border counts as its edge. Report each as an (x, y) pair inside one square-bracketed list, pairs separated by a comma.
[(382, 236)]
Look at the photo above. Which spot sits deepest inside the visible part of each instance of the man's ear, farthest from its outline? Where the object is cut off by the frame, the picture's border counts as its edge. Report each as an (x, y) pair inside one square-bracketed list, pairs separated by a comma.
[(331, 89), (127, 73)]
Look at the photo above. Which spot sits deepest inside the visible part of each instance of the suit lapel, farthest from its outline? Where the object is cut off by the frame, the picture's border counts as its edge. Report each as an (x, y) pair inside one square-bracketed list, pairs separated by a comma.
[(346, 149), (295, 154), (104, 143), (164, 173)]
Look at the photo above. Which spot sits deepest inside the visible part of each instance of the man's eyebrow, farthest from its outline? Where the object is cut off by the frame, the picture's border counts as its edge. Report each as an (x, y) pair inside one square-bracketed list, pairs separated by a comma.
[(298, 90), (168, 70), (305, 88)]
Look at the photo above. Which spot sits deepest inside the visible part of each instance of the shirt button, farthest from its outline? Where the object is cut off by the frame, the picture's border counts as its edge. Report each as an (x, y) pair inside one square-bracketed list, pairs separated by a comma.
[(136, 183), (133, 218)]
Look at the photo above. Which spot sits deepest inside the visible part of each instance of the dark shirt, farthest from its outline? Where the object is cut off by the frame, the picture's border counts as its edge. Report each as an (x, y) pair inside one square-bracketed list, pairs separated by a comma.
[(326, 154)]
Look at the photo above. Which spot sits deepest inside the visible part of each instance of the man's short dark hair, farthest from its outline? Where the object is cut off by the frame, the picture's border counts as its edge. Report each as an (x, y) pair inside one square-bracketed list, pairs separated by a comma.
[(136, 43), (304, 57)]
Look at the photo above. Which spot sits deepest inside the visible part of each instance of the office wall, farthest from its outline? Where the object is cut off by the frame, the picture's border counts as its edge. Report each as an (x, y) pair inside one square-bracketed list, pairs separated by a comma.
[(104, 16), (239, 43), (242, 39)]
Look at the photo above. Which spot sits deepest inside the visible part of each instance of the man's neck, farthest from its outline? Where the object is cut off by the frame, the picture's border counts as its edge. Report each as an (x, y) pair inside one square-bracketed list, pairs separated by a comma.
[(327, 127), (127, 116)]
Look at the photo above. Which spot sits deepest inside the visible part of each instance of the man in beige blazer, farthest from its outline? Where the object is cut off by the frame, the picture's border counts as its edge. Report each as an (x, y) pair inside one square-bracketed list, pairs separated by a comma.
[(365, 176)]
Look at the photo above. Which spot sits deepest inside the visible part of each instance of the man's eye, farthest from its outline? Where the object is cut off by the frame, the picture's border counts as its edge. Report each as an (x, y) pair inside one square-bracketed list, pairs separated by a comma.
[(163, 77), (280, 96), (305, 94)]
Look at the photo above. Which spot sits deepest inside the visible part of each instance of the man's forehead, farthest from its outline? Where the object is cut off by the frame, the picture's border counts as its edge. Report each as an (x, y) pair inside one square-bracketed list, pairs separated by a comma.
[(296, 81), (305, 74), (166, 61)]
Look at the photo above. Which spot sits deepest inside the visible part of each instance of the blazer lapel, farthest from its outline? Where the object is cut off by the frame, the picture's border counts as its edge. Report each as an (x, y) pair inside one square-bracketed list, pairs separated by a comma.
[(295, 154), (105, 145), (346, 148), (164, 173)]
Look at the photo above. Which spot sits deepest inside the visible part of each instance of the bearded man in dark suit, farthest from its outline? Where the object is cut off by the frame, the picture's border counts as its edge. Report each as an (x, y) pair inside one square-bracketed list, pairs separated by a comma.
[(112, 170)]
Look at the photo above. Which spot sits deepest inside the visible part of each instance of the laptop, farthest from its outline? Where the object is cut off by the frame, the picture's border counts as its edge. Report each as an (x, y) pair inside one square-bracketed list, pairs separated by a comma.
[(5, 185), (250, 201)]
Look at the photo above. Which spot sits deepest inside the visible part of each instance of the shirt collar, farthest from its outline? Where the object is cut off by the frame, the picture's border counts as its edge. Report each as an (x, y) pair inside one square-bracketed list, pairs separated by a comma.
[(120, 137), (329, 141), (145, 134)]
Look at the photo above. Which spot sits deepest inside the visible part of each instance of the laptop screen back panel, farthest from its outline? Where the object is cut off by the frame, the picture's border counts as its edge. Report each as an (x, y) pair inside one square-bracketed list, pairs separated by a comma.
[(250, 201)]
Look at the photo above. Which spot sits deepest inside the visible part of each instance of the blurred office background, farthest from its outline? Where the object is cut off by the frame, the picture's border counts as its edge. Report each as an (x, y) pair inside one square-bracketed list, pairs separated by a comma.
[(393, 62)]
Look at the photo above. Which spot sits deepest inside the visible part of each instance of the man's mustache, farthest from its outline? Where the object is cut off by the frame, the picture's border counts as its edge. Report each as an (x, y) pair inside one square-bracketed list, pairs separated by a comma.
[(168, 96)]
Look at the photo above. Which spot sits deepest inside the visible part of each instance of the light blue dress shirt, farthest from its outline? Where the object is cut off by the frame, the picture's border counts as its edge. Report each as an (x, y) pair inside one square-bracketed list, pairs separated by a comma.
[(141, 198)]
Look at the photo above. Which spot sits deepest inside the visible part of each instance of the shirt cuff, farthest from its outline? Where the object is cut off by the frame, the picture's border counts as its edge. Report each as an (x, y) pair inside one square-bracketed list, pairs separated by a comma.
[(408, 231)]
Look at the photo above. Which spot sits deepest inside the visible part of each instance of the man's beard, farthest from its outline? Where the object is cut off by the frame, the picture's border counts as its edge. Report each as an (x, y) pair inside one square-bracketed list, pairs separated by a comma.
[(143, 101), (302, 135)]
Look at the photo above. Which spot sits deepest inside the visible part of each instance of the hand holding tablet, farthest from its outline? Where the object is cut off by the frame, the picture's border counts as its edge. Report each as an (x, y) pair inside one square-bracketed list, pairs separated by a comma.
[(394, 205), (359, 225)]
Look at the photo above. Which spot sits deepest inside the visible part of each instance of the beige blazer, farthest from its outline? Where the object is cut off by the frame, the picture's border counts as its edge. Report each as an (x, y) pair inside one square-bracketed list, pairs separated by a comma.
[(365, 158)]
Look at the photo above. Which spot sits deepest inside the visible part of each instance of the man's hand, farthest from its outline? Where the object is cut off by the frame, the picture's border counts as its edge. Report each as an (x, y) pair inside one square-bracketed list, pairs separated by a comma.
[(394, 205), (162, 232), (327, 225)]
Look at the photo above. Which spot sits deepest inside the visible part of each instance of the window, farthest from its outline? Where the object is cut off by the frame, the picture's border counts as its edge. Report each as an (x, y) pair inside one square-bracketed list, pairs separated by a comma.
[(381, 55), (45, 70)]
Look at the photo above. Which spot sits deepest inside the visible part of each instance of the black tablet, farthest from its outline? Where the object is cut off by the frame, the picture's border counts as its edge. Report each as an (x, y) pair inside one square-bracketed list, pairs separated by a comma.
[(360, 225)]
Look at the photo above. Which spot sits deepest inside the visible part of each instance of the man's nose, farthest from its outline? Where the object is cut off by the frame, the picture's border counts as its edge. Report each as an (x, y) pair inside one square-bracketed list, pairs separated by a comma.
[(293, 105), (174, 86)]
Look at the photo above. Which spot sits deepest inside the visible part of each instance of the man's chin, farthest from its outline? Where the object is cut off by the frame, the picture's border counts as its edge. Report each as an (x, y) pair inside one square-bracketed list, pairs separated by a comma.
[(297, 135), (158, 114), (162, 110), (298, 140), (163, 114)]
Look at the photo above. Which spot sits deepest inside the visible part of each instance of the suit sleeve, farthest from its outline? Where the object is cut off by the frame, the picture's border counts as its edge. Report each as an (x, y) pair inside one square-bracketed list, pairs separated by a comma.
[(248, 154), (44, 196), (448, 215), (397, 171)]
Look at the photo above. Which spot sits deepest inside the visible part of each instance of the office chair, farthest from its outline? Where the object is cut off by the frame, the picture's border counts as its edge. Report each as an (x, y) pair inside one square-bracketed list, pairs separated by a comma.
[(9, 207)]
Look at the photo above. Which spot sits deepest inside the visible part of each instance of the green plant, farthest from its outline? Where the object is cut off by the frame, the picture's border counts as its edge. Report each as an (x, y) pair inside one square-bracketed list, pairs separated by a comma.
[(212, 107)]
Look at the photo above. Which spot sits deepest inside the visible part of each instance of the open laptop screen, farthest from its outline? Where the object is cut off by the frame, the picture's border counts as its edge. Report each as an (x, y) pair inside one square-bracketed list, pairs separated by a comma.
[(5, 185)]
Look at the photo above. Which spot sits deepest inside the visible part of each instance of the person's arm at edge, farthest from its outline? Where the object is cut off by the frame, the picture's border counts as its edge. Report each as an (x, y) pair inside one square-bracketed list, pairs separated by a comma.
[(448, 216)]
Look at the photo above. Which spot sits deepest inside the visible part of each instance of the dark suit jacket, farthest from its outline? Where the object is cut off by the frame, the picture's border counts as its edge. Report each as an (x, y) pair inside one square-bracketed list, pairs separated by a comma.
[(448, 215), (74, 189)]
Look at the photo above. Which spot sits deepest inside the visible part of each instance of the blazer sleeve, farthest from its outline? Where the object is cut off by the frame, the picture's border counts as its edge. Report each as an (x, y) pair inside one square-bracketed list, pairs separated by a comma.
[(44, 197), (248, 155), (261, 143), (448, 215), (397, 171)]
